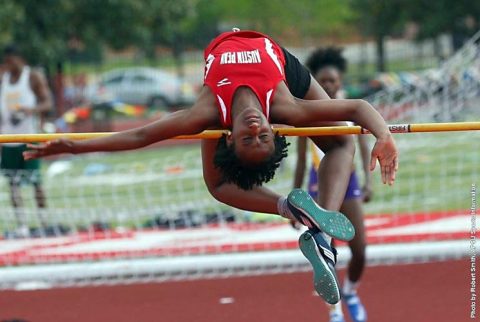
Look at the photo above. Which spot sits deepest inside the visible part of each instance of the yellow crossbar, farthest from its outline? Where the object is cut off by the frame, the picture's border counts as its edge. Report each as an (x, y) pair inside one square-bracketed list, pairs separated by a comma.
[(289, 131)]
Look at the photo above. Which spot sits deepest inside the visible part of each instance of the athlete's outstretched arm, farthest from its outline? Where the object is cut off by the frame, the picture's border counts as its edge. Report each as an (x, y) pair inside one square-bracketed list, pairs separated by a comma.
[(190, 121), (288, 110), (361, 113), (259, 199)]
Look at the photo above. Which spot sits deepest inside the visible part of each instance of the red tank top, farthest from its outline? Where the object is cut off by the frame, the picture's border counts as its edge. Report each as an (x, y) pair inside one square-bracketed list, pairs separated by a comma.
[(243, 58)]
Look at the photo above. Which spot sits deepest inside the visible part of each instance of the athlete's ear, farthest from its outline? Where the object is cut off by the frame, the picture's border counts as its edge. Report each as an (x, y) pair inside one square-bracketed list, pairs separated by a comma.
[(229, 138)]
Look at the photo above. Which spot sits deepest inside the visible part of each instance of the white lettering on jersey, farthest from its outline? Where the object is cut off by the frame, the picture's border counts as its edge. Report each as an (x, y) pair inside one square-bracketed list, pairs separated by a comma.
[(208, 64), (228, 58), (241, 57), (223, 82), (271, 53)]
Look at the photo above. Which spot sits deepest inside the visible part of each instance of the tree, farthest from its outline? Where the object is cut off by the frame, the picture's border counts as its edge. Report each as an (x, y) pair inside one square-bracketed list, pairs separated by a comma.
[(459, 18), (167, 24), (48, 31), (45, 30), (10, 13), (304, 19), (378, 19)]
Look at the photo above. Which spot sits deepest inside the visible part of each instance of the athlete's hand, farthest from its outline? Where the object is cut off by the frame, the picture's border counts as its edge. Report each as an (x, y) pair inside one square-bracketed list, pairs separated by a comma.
[(385, 151), (48, 148)]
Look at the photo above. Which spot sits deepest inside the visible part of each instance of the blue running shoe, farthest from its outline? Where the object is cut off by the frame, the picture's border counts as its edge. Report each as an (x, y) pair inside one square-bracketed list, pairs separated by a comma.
[(323, 258), (306, 211), (355, 308), (335, 317)]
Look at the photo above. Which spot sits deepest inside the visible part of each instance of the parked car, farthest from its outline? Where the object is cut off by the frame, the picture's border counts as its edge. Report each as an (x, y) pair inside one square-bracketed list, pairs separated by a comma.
[(144, 86)]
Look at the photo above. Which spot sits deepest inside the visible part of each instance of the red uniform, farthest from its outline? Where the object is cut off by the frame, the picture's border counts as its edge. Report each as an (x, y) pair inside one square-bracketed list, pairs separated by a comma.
[(243, 58)]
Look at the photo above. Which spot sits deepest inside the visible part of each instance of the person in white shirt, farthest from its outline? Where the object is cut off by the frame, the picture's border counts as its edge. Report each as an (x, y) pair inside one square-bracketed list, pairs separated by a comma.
[(24, 98)]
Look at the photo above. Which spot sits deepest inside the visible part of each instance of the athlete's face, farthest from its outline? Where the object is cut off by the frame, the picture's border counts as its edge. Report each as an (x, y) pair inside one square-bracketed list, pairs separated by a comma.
[(252, 136), (330, 79), (11, 62)]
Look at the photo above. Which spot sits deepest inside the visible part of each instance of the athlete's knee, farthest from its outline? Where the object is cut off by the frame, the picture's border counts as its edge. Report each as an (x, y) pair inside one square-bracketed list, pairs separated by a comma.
[(343, 144), (347, 143)]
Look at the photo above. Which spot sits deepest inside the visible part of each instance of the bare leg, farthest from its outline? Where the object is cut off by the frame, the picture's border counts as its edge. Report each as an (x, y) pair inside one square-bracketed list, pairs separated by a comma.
[(17, 202), (352, 208), (335, 168), (41, 203)]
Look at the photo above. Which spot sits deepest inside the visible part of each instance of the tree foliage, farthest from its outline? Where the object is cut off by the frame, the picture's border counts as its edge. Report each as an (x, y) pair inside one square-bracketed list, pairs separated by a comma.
[(50, 31), (307, 19), (378, 19), (442, 16), (381, 18)]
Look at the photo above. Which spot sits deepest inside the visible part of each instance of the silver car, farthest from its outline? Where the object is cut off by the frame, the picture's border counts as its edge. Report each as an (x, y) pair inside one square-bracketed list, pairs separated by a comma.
[(146, 86)]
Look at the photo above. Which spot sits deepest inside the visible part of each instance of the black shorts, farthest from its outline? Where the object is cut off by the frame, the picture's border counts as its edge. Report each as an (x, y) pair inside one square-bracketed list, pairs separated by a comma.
[(297, 75)]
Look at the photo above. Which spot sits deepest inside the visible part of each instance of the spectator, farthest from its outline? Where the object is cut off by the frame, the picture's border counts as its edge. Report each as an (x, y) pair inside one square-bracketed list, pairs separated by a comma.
[(24, 98)]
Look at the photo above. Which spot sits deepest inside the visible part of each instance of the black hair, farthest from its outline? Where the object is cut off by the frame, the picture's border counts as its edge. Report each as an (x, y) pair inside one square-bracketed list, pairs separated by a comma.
[(11, 50), (329, 56), (244, 176)]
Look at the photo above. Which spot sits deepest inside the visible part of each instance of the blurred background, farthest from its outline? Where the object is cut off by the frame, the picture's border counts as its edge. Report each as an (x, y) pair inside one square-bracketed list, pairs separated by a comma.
[(149, 53), (138, 218)]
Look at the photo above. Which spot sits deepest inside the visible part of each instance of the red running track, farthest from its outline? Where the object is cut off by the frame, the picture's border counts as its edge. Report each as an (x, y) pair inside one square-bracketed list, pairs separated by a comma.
[(433, 292)]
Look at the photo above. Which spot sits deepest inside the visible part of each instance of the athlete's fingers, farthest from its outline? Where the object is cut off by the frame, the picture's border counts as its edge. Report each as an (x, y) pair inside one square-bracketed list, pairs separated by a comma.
[(384, 177), (35, 146), (394, 170), (373, 161), (52, 142), (29, 155), (389, 175)]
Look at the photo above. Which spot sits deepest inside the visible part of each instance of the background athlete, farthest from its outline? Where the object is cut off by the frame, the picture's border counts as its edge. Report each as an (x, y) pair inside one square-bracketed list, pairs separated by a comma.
[(246, 95), (328, 65), (24, 99)]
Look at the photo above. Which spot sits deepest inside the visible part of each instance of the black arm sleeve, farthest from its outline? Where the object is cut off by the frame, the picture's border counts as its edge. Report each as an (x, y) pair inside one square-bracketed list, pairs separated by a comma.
[(297, 75)]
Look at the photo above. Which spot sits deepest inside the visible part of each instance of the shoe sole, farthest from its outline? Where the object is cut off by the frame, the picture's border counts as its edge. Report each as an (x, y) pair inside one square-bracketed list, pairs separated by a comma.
[(324, 280), (332, 223)]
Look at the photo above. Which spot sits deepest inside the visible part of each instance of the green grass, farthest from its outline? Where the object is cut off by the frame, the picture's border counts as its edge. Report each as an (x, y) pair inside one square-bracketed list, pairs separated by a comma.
[(436, 173)]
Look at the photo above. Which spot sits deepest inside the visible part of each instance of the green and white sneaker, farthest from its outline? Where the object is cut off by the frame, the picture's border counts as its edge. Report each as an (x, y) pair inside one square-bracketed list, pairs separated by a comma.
[(323, 259), (306, 211)]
